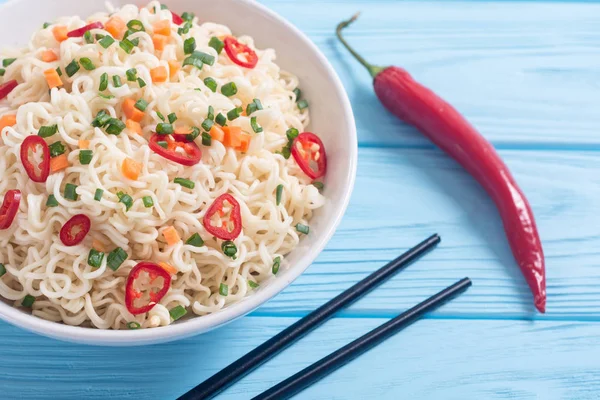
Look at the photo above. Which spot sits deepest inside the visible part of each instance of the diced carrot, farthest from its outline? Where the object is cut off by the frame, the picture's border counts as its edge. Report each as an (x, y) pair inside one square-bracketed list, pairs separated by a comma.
[(168, 267), (116, 27), (7, 120), (98, 245), (60, 33), (216, 132), (131, 112), (158, 74), (133, 126), (49, 56), (58, 163), (160, 41), (245, 142), (52, 78), (232, 136), (131, 169), (162, 27), (171, 236), (183, 129), (84, 144), (174, 67)]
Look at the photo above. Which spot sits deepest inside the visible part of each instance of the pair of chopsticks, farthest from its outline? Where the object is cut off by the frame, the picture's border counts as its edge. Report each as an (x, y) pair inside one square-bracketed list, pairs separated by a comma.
[(296, 383)]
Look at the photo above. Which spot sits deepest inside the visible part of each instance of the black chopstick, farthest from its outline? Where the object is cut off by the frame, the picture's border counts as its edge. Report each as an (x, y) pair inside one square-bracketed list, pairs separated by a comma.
[(244, 365), (325, 366)]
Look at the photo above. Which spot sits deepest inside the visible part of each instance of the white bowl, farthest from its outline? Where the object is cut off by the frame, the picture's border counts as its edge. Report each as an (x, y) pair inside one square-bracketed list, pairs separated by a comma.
[(331, 117)]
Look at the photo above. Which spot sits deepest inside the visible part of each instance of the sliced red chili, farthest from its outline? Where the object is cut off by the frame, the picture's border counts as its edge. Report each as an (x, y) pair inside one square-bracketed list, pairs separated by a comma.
[(7, 87), (309, 153), (177, 20), (229, 228), (81, 31), (34, 146), (179, 149), (74, 230), (10, 206), (147, 284), (239, 53)]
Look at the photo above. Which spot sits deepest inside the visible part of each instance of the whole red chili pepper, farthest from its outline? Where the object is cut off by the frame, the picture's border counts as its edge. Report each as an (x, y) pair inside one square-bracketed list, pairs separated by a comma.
[(447, 128)]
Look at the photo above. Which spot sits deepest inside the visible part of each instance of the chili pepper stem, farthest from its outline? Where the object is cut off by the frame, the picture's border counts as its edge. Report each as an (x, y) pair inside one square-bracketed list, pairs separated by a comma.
[(373, 69)]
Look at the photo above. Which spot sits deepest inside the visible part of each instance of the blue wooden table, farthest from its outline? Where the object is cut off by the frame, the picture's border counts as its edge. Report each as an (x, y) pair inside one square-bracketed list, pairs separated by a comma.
[(527, 74)]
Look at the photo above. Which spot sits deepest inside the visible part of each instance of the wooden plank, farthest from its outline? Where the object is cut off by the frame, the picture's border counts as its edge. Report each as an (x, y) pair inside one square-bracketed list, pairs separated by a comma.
[(524, 73), (432, 359), (404, 195)]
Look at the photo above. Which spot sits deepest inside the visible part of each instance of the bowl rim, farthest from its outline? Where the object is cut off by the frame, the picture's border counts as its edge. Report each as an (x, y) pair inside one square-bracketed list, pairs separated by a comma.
[(198, 325)]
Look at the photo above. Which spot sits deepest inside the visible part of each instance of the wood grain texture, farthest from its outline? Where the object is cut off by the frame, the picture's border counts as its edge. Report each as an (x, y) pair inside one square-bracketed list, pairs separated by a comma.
[(433, 359)]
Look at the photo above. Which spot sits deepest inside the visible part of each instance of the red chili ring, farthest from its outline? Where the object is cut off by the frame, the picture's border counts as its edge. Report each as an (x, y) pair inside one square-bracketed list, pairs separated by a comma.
[(236, 217), (306, 139), (177, 20), (191, 155), (30, 144), (81, 31), (10, 206), (68, 235), (131, 294), (7, 87), (234, 49)]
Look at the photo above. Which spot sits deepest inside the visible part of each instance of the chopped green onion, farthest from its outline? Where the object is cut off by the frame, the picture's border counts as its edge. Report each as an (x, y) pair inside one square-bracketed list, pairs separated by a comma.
[(95, 258), (229, 249), (162, 144), (99, 36), (85, 157), (318, 185), (298, 93), (302, 228), (88, 37), (159, 114), (116, 258), (286, 152), (115, 126), (46, 24), (302, 104), (98, 194), (189, 45), (185, 28), (28, 301), (223, 289), (135, 41), (70, 192), (7, 61), (126, 45), (148, 201), (117, 81), (254, 106), (141, 104), (207, 124), (2, 269), (164, 129), (186, 16), (211, 84), (278, 194), (195, 240), (58, 71), (72, 68), (253, 284), (211, 113), (229, 89), (216, 44), (195, 133), (87, 63), (47, 131), (221, 119), (131, 74), (234, 113), (51, 202), (177, 312), (56, 149), (103, 82), (185, 183), (136, 25), (204, 57), (2, 71), (191, 60), (164, 7), (255, 127), (101, 119), (172, 117), (276, 265), (292, 134), (133, 325), (106, 41), (106, 96), (141, 82), (206, 139), (125, 199)]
